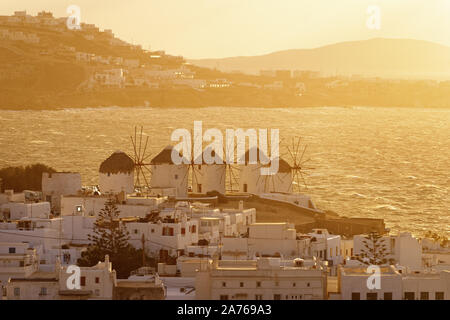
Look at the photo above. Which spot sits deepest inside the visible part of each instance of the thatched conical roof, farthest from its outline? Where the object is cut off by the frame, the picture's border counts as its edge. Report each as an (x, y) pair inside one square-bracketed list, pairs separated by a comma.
[(164, 157), (284, 167), (118, 162)]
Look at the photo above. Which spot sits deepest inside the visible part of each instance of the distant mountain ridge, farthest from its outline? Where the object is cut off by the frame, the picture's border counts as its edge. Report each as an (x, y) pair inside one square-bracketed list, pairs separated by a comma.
[(375, 57)]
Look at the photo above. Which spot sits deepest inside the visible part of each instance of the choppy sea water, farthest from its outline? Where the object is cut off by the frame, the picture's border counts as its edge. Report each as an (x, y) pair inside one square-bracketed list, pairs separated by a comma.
[(386, 163)]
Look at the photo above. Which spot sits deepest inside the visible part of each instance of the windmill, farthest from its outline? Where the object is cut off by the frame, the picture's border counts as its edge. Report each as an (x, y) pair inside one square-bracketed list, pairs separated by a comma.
[(229, 175), (298, 165), (141, 160), (291, 174), (194, 172), (281, 181), (192, 169)]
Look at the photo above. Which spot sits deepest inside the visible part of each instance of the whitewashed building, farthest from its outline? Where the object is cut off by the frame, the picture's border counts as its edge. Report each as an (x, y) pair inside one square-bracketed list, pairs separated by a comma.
[(35, 231), (91, 205), (57, 184), (232, 222), (326, 246), (261, 279), (96, 283), (37, 286), (165, 236), (17, 259), (267, 240), (11, 196), (425, 285), (19, 210), (353, 284)]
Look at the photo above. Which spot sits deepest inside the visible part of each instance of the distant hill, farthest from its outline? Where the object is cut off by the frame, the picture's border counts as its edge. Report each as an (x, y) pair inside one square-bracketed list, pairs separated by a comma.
[(46, 66), (375, 57)]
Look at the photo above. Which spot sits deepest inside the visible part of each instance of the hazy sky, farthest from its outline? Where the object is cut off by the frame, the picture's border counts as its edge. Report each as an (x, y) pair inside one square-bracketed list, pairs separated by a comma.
[(220, 28)]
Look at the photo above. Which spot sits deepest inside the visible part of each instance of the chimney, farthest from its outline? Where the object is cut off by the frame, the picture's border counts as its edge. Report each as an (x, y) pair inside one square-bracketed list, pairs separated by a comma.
[(107, 263), (57, 267)]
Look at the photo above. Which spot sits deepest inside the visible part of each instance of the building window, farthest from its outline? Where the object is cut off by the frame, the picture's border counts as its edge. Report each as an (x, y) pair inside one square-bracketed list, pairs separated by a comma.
[(409, 296), (153, 230), (424, 296), (356, 296), (294, 284), (183, 230), (277, 297), (167, 231), (43, 291), (12, 250), (388, 296), (97, 292), (224, 284), (83, 281), (371, 296), (277, 283), (258, 284), (308, 284), (17, 292), (331, 252), (97, 280), (241, 284), (176, 177), (193, 229), (240, 296), (439, 296), (245, 187), (258, 297), (136, 231), (223, 297)]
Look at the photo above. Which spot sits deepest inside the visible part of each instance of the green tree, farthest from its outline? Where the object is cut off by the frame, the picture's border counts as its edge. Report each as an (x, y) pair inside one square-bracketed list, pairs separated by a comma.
[(374, 251), (110, 237), (24, 178)]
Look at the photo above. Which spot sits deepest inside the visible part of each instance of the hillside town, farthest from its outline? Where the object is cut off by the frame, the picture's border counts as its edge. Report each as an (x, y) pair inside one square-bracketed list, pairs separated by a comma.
[(204, 242), (96, 66)]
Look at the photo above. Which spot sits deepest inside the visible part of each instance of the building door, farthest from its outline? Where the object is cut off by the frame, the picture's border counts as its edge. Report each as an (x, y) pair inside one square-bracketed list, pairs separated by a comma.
[(163, 255)]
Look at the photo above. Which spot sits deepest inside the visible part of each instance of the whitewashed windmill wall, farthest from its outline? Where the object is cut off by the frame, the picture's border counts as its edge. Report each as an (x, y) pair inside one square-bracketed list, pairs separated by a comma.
[(253, 182), (209, 177), (116, 174), (166, 174)]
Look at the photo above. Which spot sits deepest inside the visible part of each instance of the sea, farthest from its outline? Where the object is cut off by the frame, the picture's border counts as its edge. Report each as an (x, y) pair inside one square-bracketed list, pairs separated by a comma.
[(389, 163)]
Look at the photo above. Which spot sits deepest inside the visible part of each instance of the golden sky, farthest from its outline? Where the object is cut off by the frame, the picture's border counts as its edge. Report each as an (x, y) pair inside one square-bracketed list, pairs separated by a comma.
[(221, 28)]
